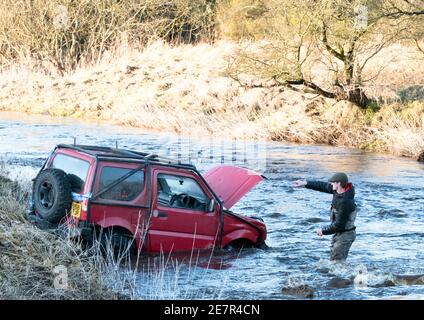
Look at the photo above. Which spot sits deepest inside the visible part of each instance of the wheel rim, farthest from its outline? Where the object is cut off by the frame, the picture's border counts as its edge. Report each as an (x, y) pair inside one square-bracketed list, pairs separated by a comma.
[(46, 195)]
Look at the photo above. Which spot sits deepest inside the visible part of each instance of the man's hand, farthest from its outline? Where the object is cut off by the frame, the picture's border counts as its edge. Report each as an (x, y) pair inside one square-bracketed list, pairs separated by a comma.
[(319, 232), (299, 183)]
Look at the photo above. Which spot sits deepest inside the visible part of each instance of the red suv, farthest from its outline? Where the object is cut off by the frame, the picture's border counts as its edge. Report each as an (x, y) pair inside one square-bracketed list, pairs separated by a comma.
[(162, 204)]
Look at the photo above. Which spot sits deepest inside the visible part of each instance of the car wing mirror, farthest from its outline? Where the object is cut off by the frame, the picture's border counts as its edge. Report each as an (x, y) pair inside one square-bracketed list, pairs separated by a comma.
[(211, 205)]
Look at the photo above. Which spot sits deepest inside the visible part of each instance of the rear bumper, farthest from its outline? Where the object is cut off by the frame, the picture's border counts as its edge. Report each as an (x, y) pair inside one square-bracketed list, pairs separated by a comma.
[(85, 233), (78, 229), (67, 230), (40, 223)]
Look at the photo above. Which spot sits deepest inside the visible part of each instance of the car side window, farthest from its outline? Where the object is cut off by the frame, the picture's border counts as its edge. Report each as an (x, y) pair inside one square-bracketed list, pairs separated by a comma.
[(180, 192), (126, 190)]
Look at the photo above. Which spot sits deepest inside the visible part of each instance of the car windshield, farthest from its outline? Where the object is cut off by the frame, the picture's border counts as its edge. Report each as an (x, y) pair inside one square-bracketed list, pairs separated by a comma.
[(178, 191), (179, 185), (76, 169)]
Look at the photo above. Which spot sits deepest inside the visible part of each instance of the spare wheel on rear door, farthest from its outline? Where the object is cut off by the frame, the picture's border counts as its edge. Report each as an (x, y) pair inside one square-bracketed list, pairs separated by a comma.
[(52, 195)]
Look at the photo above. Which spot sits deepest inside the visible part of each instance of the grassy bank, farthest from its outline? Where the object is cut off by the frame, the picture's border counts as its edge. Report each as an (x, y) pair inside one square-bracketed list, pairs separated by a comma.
[(34, 263), (185, 89)]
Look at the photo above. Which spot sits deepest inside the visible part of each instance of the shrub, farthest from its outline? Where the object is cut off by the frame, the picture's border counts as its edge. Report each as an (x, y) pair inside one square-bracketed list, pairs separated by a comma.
[(66, 31)]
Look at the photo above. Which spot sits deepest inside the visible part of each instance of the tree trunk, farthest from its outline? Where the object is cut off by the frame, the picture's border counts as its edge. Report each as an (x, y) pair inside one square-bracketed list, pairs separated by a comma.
[(357, 96), (421, 156)]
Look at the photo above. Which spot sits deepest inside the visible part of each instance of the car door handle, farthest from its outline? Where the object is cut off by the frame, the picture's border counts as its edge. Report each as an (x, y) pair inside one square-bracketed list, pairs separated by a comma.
[(162, 215)]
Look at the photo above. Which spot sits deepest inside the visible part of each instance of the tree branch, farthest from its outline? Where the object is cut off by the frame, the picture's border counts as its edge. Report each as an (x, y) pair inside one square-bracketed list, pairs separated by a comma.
[(334, 52), (396, 12), (421, 49), (312, 86), (287, 83)]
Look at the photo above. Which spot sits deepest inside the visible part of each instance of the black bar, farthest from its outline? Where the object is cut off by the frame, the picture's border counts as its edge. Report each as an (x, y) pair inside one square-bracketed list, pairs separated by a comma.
[(213, 309)]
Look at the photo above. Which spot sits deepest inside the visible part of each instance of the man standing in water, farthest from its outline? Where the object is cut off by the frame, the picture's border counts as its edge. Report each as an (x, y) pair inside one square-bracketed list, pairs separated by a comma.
[(343, 212)]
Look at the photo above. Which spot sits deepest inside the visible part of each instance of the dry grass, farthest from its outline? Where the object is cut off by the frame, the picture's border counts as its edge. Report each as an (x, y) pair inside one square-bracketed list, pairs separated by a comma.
[(401, 128), (30, 258), (184, 89)]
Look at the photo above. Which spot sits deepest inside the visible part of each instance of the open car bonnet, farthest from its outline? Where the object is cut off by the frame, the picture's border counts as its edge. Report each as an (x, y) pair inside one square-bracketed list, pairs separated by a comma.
[(231, 183)]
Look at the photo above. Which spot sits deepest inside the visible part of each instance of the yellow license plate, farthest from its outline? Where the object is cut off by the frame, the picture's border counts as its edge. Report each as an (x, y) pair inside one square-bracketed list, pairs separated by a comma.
[(76, 210)]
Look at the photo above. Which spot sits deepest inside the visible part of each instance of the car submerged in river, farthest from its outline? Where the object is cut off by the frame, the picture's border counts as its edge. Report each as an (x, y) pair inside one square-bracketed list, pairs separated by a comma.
[(143, 201)]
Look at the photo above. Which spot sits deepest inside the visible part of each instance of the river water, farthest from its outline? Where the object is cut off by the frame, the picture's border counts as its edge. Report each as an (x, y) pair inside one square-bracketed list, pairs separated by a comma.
[(385, 261)]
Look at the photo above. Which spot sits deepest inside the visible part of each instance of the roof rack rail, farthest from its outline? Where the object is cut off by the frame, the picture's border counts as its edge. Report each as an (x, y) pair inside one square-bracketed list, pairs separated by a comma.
[(124, 154)]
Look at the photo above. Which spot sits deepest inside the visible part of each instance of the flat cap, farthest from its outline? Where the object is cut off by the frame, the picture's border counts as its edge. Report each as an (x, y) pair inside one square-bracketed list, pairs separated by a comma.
[(339, 177)]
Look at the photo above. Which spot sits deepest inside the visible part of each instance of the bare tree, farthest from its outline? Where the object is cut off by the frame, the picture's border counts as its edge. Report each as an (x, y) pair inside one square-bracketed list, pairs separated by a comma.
[(343, 35)]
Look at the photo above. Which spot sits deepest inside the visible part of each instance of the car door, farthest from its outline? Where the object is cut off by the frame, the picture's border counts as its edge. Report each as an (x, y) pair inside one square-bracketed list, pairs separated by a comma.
[(178, 225), (123, 206)]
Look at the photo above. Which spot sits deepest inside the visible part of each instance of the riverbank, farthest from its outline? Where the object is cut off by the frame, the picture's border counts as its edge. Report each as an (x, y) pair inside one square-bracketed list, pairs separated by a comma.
[(35, 264), (185, 89)]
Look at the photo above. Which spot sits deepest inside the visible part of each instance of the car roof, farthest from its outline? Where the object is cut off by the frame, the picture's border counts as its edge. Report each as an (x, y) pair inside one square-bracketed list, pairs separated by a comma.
[(124, 155)]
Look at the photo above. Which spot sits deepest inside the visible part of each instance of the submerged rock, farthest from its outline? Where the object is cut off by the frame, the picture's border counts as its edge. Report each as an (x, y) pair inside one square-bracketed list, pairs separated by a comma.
[(302, 291), (324, 270), (274, 215), (385, 283), (409, 279), (338, 282), (393, 213), (314, 220)]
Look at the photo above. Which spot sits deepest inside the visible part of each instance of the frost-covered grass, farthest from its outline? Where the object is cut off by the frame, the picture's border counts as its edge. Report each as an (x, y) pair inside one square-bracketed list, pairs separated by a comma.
[(185, 89)]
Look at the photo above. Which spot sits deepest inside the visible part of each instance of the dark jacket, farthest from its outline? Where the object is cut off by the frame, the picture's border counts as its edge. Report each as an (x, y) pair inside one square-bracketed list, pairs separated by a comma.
[(343, 207)]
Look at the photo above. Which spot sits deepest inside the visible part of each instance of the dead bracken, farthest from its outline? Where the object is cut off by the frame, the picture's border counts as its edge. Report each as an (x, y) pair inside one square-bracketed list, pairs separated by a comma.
[(30, 257)]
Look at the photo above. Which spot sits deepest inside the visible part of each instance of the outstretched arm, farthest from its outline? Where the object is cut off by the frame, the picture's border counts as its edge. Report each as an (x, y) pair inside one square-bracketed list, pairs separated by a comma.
[(319, 186)]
